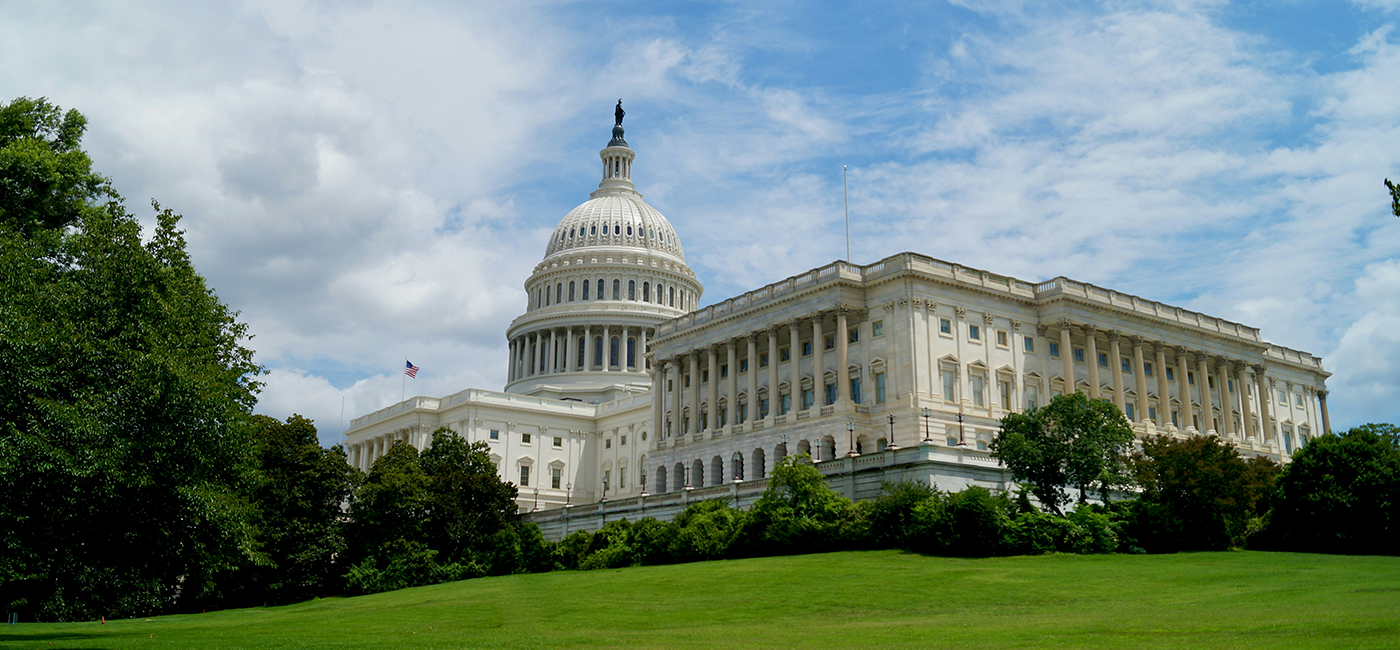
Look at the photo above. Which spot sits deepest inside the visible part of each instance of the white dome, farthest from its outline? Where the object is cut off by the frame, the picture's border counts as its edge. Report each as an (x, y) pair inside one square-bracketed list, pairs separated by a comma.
[(616, 219)]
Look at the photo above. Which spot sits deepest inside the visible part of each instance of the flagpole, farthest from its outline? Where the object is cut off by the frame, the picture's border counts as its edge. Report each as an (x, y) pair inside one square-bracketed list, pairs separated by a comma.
[(342, 416)]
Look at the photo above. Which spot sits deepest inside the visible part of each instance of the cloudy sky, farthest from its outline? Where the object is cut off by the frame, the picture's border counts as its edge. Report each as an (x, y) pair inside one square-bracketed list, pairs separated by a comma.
[(369, 181)]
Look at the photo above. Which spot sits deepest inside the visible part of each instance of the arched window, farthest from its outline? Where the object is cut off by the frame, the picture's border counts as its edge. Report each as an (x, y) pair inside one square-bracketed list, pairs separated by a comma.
[(571, 290), (593, 230), (629, 231), (612, 352), (546, 298), (581, 358), (585, 289), (559, 292), (539, 298), (600, 288), (617, 289), (597, 350), (571, 233), (631, 352), (631, 289), (673, 296), (646, 292)]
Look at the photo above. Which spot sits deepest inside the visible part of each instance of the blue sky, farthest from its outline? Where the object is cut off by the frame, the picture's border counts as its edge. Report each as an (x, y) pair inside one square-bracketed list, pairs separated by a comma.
[(369, 181)]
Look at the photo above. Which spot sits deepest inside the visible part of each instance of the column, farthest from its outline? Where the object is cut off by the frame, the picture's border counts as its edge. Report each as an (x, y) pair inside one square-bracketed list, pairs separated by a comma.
[(712, 356), (552, 365), (1164, 397), (607, 351), (658, 395), (1091, 356), (534, 356), (641, 348), (733, 385), (1203, 383), (753, 375), (1246, 415), (677, 382), (1262, 389), (510, 368), (794, 365), (1322, 401), (694, 418), (818, 364), (1067, 357), (1183, 387), (1115, 361), (1140, 380), (1227, 403), (569, 354), (843, 379)]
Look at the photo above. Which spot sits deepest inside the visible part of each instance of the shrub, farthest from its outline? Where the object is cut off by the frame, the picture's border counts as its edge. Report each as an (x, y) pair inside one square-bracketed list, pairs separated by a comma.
[(706, 530), (799, 512), (890, 516), (651, 541), (1341, 494)]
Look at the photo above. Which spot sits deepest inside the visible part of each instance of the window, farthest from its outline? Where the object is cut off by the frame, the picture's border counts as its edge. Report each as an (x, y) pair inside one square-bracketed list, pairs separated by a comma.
[(1174, 419), (617, 289), (1001, 338), (632, 352), (1282, 399), (1211, 382), (949, 386), (555, 475), (830, 394), (705, 376), (1031, 396), (585, 289), (558, 442), (830, 341), (974, 332), (879, 388), (607, 480), (600, 288), (1132, 417), (1230, 386), (877, 328), (687, 381), (672, 292), (785, 353), (952, 441), (1126, 365), (1004, 387), (723, 416), (612, 354), (806, 348), (631, 289), (1147, 369), (1170, 375), (1152, 413), (784, 403), (704, 420), (723, 371), (581, 358), (622, 471), (808, 398), (559, 292), (524, 438), (571, 290), (853, 335), (1103, 360), (743, 366), (978, 397), (743, 412), (607, 443), (763, 408), (495, 435), (524, 475), (597, 350), (1029, 343), (945, 326), (855, 390), (1191, 378), (546, 297), (763, 360), (1079, 355), (646, 292), (1054, 349)]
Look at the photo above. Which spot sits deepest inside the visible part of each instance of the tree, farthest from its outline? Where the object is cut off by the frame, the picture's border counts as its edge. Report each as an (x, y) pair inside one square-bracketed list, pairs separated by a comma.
[(125, 393), (390, 507), (1072, 442), (799, 512), (466, 503), (1341, 494), (1198, 494), (298, 493)]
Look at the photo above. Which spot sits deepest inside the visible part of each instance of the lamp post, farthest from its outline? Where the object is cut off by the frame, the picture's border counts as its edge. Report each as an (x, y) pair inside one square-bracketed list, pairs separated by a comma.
[(851, 438), (927, 414), (961, 442), (537, 500), (892, 446), (568, 495), (687, 477)]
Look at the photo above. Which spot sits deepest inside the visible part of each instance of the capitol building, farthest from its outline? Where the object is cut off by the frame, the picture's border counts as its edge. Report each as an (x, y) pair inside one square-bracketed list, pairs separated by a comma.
[(626, 398)]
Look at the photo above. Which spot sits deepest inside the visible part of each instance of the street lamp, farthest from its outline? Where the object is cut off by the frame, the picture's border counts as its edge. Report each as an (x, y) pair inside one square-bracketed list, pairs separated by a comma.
[(537, 500), (927, 414), (891, 445), (851, 436), (961, 441)]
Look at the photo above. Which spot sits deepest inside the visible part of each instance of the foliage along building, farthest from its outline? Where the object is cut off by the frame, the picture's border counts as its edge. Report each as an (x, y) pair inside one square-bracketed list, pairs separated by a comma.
[(625, 398)]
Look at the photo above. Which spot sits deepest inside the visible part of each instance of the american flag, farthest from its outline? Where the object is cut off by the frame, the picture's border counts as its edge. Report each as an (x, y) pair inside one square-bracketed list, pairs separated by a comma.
[(411, 370)]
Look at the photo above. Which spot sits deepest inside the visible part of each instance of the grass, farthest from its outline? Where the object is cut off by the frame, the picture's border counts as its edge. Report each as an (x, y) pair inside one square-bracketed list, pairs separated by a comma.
[(882, 599)]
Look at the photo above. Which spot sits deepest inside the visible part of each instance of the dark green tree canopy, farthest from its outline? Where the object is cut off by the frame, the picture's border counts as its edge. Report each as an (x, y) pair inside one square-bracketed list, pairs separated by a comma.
[(46, 180), (1072, 442), (1206, 491), (1341, 494)]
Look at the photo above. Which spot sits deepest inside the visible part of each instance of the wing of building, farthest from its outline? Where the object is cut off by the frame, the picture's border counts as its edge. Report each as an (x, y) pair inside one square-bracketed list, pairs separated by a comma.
[(624, 397)]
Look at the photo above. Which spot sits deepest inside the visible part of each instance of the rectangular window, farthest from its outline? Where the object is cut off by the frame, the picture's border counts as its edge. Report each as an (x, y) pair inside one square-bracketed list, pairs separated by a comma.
[(1171, 376), (743, 412), (877, 328), (763, 360), (524, 475), (705, 376), (879, 388), (830, 394), (1032, 396), (687, 381), (978, 398), (974, 332), (743, 366), (949, 386), (670, 385), (524, 438), (724, 371), (853, 335), (1131, 416), (1152, 413), (1001, 338), (1147, 369), (1103, 360), (495, 435), (1079, 355), (1005, 388), (808, 398), (830, 341), (1230, 385), (555, 476), (622, 440), (1298, 399), (1282, 399), (723, 416), (622, 478), (855, 390), (1029, 343), (1127, 365), (1054, 349), (763, 408), (1210, 381), (607, 480), (607, 444), (1174, 419), (1196, 421), (945, 326), (558, 442), (785, 353), (806, 348), (1191, 378), (785, 403)]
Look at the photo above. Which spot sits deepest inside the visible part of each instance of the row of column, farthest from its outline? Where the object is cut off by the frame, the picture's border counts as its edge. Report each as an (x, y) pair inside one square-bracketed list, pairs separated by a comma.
[(1205, 366), (363, 454), (555, 350), (676, 368)]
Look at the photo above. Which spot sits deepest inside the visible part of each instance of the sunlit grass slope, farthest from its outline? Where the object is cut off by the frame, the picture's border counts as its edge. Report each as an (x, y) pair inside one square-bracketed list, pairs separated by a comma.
[(880, 599)]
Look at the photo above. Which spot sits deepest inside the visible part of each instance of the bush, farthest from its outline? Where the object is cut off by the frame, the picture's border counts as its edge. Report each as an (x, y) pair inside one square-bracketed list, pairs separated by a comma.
[(890, 516), (1091, 531), (1341, 494), (572, 549), (706, 531), (608, 548), (409, 564), (652, 540), (799, 512)]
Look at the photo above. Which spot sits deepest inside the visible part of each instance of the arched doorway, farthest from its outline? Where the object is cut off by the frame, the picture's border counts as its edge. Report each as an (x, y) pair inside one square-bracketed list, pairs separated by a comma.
[(760, 470), (679, 479), (697, 473), (661, 479)]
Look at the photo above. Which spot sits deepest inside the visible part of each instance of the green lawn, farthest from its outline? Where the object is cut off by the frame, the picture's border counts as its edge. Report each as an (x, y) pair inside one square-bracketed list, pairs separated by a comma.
[(878, 599)]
